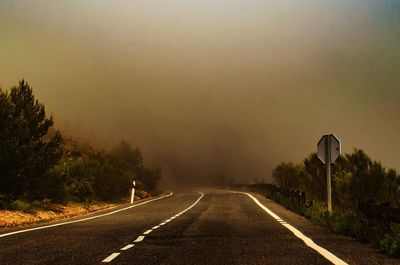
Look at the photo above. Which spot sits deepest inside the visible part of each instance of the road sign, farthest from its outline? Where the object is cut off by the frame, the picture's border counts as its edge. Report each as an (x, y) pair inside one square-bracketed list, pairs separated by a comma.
[(328, 143), (328, 150)]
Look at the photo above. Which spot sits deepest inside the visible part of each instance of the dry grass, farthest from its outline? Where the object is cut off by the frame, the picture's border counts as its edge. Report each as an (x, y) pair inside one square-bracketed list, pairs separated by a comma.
[(18, 218)]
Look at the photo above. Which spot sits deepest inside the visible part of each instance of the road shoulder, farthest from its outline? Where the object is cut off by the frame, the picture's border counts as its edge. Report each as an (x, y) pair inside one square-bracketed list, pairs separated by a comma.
[(81, 217), (346, 248)]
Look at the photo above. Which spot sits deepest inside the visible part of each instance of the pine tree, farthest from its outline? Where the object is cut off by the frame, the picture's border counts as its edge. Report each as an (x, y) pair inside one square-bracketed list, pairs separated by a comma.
[(29, 148)]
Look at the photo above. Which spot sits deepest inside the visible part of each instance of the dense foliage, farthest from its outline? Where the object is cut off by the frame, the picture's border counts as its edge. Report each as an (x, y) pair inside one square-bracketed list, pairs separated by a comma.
[(356, 179), (36, 163)]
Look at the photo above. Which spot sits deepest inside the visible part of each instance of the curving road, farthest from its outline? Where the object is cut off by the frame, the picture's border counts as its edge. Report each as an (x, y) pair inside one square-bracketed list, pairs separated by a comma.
[(208, 227)]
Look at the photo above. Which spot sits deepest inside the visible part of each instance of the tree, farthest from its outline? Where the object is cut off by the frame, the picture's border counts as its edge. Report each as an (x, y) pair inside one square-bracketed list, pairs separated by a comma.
[(129, 159), (316, 176), (28, 147), (367, 177), (150, 177), (5, 142), (390, 191), (289, 175), (111, 180)]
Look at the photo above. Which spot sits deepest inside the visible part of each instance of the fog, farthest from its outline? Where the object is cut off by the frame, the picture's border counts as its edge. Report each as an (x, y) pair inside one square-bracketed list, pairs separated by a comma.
[(212, 87)]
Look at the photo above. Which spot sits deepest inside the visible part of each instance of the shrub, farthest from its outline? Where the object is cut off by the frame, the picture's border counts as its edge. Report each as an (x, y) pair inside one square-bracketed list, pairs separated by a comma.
[(316, 215), (390, 242), (20, 205), (350, 223), (5, 202), (43, 204), (81, 190)]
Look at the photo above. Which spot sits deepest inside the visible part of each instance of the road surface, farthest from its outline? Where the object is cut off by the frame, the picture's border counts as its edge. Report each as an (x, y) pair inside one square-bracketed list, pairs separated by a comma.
[(208, 227)]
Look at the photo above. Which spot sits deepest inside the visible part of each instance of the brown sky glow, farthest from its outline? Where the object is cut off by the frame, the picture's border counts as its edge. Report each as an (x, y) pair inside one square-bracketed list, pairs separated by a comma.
[(208, 87)]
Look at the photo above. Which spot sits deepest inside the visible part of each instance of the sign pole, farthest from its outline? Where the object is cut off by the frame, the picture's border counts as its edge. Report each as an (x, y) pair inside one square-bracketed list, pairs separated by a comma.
[(328, 150), (328, 173)]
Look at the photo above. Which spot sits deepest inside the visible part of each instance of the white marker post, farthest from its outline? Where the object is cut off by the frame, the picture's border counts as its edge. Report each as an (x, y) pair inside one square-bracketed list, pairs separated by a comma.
[(133, 192), (328, 150)]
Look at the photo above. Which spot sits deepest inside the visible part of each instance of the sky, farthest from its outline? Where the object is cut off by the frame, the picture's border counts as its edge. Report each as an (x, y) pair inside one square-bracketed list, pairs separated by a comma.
[(212, 87)]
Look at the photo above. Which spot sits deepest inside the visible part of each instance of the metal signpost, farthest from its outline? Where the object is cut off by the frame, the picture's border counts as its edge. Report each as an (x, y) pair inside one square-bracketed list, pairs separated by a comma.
[(328, 150), (133, 191)]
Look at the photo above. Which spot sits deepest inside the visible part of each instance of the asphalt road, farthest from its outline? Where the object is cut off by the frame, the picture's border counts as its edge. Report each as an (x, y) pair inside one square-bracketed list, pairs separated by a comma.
[(211, 227)]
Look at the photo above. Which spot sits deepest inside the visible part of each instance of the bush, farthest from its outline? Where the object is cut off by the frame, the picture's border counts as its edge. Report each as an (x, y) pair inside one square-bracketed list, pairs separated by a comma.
[(43, 204), (5, 202), (81, 190), (350, 223), (20, 205), (390, 242), (289, 203), (317, 215)]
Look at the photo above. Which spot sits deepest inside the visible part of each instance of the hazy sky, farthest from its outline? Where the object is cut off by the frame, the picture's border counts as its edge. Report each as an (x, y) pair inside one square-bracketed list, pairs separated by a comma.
[(213, 86)]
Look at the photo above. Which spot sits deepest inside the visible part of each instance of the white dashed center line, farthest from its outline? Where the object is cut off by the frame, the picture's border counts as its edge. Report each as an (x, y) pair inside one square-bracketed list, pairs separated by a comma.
[(142, 237), (148, 232), (139, 239), (111, 257), (127, 247)]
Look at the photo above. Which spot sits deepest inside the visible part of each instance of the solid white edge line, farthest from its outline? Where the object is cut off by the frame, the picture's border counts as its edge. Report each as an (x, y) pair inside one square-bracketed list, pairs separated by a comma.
[(308, 241), (155, 227), (127, 247), (85, 219), (111, 257)]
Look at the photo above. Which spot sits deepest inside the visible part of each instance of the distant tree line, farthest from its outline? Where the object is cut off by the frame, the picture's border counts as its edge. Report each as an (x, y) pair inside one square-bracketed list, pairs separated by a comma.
[(37, 162)]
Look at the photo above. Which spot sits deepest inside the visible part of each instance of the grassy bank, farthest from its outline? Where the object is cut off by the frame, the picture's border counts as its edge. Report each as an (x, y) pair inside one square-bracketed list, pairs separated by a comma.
[(29, 214), (19, 212)]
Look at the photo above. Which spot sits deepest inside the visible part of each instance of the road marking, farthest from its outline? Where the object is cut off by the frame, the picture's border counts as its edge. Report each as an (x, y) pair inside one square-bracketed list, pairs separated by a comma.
[(148, 232), (111, 257), (85, 219), (127, 247), (308, 241), (139, 239)]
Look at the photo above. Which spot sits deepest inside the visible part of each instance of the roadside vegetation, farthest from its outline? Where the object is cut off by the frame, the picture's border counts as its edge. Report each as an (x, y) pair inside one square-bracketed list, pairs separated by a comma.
[(40, 167), (366, 197)]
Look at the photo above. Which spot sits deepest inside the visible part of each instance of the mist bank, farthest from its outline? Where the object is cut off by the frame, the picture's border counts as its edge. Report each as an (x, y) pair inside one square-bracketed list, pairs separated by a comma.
[(212, 87)]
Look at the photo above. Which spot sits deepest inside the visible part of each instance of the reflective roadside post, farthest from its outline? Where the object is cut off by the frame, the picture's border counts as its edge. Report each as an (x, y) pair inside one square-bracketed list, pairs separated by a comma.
[(133, 192), (328, 150)]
